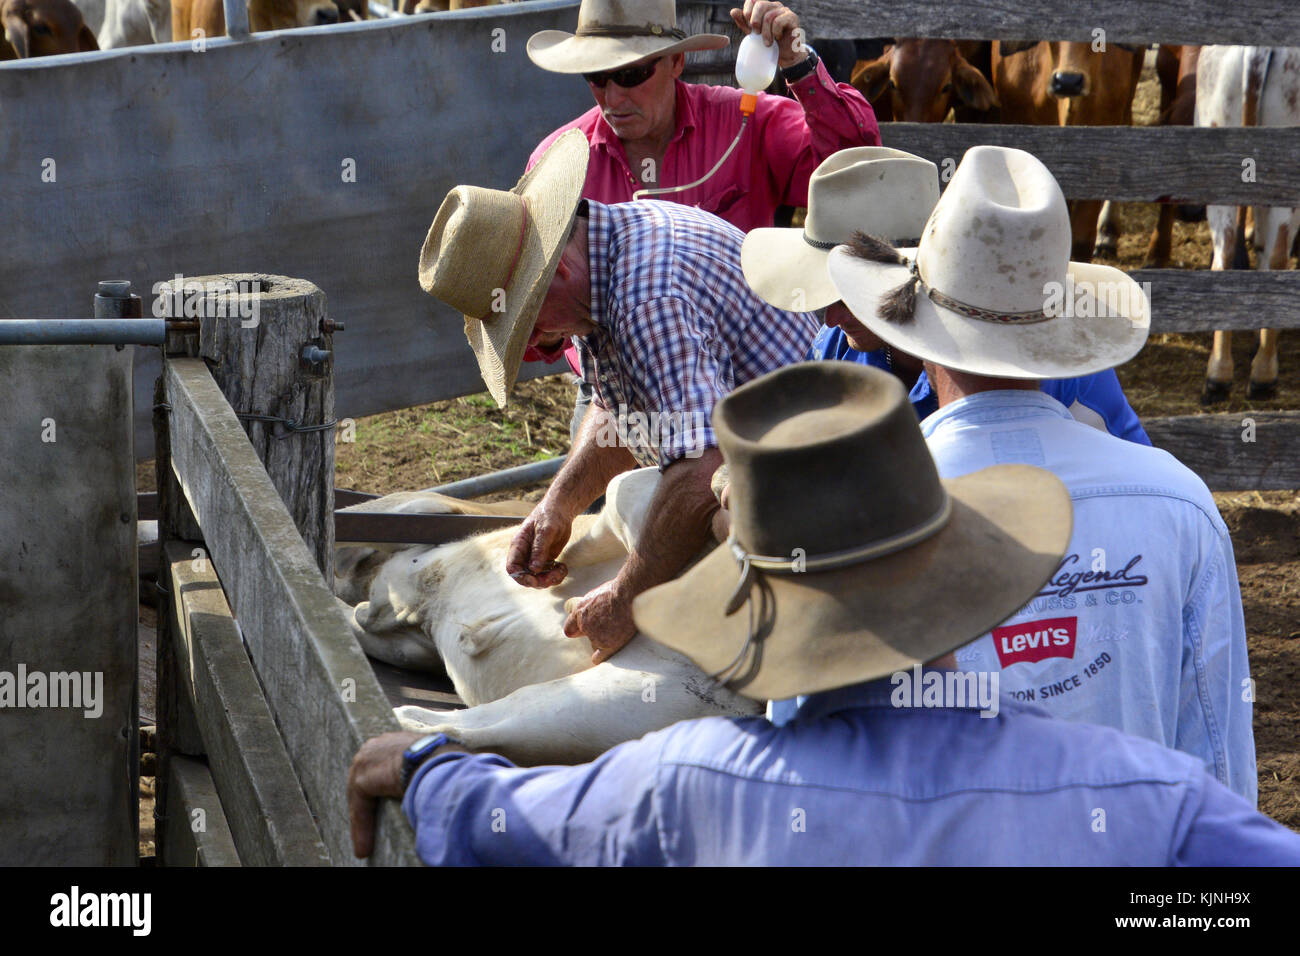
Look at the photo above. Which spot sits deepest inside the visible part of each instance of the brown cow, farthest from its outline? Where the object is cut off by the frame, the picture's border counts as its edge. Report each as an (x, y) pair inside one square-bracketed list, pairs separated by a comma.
[(210, 17), (1069, 84), (924, 80), (441, 6), (44, 28), (1176, 69)]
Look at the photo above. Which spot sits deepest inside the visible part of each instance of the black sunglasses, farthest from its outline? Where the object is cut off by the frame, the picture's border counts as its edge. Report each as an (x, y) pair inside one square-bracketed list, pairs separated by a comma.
[(628, 77)]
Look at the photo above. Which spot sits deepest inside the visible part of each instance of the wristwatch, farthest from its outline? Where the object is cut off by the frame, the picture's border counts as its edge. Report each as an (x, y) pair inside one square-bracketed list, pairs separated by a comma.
[(419, 752), (797, 72)]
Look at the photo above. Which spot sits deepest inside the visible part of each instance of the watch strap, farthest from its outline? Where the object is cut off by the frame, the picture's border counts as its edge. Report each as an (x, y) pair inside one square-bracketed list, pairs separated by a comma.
[(418, 753), (797, 72)]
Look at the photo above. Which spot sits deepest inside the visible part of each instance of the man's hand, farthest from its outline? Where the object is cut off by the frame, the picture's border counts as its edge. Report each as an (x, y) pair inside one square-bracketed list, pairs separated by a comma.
[(604, 617), (376, 772), (779, 24), (531, 559)]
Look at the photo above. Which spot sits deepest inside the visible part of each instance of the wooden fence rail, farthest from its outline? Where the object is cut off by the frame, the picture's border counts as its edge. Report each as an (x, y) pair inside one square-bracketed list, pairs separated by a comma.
[(1133, 164), (1124, 21), (1246, 451), (317, 681)]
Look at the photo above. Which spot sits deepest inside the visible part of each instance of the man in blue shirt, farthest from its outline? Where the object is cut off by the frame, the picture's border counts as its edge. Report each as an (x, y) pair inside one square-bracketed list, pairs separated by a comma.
[(887, 193), (1141, 627), (839, 595)]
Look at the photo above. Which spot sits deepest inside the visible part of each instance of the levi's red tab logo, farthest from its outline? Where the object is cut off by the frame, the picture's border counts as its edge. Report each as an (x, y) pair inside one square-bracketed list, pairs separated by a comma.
[(1035, 640)]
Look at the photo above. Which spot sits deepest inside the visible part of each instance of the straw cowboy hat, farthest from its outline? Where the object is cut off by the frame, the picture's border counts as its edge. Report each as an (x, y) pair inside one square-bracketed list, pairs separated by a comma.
[(873, 189), (849, 558), (491, 255), (991, 290), (614, 33)]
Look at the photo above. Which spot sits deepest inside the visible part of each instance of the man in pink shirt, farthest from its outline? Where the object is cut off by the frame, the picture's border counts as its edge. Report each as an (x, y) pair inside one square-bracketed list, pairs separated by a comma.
[(649, 130)]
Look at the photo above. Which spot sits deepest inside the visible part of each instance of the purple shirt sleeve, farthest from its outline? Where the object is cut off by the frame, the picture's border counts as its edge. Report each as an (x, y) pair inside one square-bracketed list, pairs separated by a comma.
[(480, 809), (1225, 830)]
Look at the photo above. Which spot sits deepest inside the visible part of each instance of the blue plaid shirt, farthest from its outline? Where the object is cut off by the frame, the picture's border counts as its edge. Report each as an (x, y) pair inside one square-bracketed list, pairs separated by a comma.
[(677, 326)]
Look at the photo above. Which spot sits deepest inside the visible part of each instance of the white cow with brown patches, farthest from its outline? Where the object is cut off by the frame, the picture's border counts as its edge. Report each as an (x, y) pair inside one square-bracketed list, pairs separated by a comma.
[(1248, 86), (533, 693)]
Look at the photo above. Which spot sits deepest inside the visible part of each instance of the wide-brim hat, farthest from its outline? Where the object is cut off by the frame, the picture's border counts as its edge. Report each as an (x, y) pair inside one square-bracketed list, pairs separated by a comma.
[(993, 289), (849, 558), (491, 254), (615, 33), (874, 189)]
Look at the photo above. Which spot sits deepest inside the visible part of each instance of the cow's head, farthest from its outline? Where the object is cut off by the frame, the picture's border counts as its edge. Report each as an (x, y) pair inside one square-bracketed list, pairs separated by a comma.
[(1105, 78), (45, 27), (924, 79), (285, 14)]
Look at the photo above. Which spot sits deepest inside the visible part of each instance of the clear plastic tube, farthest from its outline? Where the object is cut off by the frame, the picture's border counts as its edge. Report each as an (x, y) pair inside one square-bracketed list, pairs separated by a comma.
[(664, 190)]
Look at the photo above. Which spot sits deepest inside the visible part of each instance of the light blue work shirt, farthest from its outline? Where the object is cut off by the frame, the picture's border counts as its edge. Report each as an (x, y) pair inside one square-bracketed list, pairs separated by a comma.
[(1097, 400), (1141, 627), (852, 780)]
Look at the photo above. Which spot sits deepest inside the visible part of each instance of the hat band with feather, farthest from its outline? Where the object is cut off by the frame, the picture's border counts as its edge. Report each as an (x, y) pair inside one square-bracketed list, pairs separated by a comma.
[(899, 304)]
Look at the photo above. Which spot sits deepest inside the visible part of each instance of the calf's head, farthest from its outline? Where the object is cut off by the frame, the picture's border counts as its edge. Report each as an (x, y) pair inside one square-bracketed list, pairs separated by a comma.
[(284, 14), (45, 27), (924, 79)]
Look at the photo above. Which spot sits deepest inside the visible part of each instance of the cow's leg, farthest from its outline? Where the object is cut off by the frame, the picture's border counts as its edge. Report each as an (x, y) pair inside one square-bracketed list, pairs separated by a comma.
[(1276, 226), (1224, 236), (574, 719), (1107, 231), (1083, 228), (1161, 239)]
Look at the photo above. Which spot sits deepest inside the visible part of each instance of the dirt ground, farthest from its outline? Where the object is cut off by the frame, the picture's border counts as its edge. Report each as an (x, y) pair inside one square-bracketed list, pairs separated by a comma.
[(446, 441)]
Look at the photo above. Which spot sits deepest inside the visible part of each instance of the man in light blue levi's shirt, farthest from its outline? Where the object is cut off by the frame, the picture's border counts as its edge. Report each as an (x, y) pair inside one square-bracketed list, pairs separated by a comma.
[(887, 762), (1141, 627)]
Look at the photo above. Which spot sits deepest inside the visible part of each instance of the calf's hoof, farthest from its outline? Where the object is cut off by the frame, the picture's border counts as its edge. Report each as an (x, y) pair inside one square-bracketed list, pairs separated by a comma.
[(1261, 390), (1106, 246), (1215, 392)]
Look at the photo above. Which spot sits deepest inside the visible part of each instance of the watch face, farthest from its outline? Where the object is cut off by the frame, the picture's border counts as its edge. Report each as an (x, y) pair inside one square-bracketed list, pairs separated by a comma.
[(424, 746)]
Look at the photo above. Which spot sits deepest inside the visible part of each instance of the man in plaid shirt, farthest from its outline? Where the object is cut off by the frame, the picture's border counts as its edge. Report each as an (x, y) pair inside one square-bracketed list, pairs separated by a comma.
[(666, 325)]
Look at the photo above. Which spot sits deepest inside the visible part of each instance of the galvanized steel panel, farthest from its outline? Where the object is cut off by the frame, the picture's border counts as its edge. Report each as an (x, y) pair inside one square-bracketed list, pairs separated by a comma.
[(165, 160)]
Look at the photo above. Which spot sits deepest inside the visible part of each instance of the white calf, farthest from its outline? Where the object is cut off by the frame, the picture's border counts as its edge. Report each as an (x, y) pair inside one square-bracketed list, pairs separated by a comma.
[(135, 23), (532, 692), (1248, 86)]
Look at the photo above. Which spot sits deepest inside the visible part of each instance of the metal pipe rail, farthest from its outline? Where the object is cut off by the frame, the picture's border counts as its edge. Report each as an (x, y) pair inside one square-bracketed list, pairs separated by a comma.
[(87, 331)]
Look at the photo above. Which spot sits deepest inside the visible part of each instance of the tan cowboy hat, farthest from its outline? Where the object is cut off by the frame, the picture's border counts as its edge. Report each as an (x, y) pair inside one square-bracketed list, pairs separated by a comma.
[(491, 255), (614, 33), (873, 189), (991, 290), (849, 558)]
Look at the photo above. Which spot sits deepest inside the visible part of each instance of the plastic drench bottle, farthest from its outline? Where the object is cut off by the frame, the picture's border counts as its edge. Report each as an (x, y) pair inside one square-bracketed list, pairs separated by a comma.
[(755, 68)]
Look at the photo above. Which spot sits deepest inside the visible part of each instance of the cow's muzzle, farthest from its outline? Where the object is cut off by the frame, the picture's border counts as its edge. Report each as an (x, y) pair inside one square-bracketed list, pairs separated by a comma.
[(1067, 84)]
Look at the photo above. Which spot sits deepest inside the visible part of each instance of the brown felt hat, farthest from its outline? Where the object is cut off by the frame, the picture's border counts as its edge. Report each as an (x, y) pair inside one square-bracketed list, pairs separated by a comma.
[(491, 254), (849, 558)]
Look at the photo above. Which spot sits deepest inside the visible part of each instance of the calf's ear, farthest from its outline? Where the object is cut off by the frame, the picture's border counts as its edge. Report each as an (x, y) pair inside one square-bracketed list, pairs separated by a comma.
[(872, 78), (16, 30), (972, 88), (86, 40)]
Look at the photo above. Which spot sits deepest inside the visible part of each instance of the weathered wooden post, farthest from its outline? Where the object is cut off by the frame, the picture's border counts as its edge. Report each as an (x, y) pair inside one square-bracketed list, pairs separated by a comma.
[(268, 342)]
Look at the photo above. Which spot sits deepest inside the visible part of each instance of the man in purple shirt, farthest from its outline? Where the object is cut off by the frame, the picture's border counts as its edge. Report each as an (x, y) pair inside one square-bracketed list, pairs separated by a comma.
[(840, 595)]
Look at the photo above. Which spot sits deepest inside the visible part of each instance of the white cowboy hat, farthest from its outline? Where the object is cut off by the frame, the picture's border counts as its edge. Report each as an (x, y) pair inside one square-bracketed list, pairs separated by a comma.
[(614, 33), (991, 289), (872, 189), (491, 254)]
